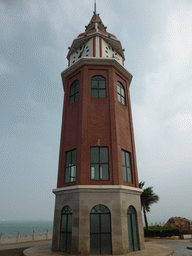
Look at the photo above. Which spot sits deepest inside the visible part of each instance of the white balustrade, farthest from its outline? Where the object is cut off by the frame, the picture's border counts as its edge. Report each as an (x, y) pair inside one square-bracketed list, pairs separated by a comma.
[(21, 238)]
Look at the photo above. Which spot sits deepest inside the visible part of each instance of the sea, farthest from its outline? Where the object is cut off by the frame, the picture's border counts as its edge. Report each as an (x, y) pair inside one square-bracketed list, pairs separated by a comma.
[(25, 227)]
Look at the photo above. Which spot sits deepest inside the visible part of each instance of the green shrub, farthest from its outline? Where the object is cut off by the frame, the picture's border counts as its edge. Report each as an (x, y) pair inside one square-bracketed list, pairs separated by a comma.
[(161, 231)]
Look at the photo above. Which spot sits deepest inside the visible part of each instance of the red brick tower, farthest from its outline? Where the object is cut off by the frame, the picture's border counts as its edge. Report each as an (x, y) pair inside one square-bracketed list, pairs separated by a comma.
[(97, 209)]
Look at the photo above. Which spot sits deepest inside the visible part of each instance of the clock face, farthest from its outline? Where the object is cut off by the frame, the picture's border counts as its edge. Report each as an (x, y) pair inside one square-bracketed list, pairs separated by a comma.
[(83, 51), (111, 53)]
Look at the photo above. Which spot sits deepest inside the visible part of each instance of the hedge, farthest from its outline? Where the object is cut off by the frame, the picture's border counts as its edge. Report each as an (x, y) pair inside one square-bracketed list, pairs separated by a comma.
[(161, 231)]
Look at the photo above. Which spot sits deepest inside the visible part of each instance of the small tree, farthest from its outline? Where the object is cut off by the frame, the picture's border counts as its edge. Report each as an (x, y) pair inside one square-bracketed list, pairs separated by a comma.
[(148, 197)]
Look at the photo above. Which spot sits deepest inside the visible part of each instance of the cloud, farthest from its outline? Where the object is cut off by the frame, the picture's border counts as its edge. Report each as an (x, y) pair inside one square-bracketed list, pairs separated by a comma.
[(163, 122)]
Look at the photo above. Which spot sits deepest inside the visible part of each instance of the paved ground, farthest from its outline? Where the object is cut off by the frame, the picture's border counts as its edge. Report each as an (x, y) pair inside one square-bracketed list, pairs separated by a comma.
[(179, 246), (24, 245), (154, 247)]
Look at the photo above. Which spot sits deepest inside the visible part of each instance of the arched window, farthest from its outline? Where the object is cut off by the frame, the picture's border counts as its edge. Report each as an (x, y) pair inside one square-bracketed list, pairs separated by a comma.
[(98, 87), (100, 230), (99, 163), (70, 166), (74, 91), (126, 164), (66, 230), (120, 93), (132, 229)]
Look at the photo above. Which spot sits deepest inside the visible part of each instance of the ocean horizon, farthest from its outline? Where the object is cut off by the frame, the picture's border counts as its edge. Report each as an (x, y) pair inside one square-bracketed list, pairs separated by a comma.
[(25, 227)]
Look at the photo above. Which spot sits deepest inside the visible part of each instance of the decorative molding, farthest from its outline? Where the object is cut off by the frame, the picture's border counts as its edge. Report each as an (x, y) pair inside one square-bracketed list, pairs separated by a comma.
[(93, 62), (98, 188)]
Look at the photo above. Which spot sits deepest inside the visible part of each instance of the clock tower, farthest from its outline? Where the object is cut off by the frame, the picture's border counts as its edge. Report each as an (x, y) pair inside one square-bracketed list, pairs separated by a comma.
[(97, 207)]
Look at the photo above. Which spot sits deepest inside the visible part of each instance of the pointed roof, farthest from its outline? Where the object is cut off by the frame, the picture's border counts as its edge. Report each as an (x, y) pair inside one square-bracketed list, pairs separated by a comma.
[(96, 25), (96, 28)]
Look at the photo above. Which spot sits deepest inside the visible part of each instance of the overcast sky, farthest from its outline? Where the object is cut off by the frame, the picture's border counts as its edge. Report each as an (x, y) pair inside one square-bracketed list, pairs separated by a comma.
[(34, 41)]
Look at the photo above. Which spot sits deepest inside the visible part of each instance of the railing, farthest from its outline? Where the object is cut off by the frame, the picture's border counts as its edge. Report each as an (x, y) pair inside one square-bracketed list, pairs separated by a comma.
[(22, 238), (157, 224)]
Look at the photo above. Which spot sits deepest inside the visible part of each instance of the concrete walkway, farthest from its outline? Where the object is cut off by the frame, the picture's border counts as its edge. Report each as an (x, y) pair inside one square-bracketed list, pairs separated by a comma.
[(154, 247), (151, 249), (24, 245)]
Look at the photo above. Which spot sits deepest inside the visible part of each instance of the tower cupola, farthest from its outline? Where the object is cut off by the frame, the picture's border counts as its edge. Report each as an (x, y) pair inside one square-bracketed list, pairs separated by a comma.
[(95, 42)]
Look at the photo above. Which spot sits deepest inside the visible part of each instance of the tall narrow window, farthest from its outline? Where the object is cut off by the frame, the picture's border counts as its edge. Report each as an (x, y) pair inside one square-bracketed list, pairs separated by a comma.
[(66, 230), (120, 93), (74, 91), (98, 87), (132, 229), (70, 166), (99, 163), (126, 162), (100, 230)]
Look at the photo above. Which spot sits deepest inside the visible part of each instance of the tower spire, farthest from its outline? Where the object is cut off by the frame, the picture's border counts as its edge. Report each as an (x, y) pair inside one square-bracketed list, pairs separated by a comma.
[(95, 10)]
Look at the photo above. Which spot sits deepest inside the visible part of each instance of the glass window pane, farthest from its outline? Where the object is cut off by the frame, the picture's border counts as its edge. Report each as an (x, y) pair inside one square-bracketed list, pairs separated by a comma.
[(124, 174), (95, 93), (102, 93), (95, 155), (72, 91), (73, 173), (119, 97), (123, 101), (72, 99), (95, 171), (73, 156), (128, 159), (130, 233), (69, 224), (123, 157), (118, 89), (106, 244), (94, 244), (76, 97), (104, 172), (67, 175), (63, 242), (68, 159), (101, 84), (105, 223), (122, 92), (131, 210), (63, 223), (69, 236), (129, 174), (94, 84), (77, 88), (135, 233), (103, 155), (94, 223)]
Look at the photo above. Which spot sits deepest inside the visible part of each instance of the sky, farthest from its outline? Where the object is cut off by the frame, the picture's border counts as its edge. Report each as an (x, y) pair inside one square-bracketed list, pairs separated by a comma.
[(34, 41)]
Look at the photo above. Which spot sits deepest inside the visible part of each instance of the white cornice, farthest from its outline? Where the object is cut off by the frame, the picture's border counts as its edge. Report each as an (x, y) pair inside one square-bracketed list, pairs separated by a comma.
[(96, 61), (107, 188)]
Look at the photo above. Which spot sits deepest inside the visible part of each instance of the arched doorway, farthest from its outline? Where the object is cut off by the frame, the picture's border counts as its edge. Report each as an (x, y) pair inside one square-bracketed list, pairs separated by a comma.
[(66, 230), (100, 230), (132, 229)]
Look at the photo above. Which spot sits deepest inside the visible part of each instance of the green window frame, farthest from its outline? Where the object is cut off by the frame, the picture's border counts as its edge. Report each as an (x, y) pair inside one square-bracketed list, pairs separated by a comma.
[(66, 230), (121, 93), (70, 166), (99, 163), (74, 92), (133, 235), (98, 87), (100, 230), (126, 165)]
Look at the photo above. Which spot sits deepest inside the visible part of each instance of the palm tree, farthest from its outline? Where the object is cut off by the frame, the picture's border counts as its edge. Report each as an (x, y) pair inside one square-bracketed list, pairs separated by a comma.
[(148, 197)]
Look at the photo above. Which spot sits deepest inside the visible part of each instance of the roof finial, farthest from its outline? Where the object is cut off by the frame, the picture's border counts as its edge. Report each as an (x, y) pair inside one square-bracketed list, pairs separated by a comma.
[(95, 11)]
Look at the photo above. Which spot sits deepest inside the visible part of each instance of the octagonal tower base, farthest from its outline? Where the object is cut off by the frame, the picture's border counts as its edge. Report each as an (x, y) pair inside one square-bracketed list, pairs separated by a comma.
[(81, 199)]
